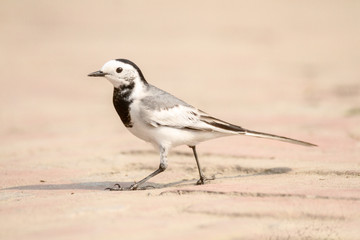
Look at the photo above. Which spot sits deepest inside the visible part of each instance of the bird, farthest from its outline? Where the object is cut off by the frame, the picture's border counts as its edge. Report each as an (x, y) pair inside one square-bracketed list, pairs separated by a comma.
[(164, 120)]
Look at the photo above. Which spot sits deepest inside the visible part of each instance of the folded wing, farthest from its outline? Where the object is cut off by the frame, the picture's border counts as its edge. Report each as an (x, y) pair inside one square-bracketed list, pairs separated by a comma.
[(163, 109)]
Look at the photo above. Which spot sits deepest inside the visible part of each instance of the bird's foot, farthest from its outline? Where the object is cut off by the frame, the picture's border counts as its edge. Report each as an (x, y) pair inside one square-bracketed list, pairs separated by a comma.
[(116, 187), (204, 180), (134, 186)]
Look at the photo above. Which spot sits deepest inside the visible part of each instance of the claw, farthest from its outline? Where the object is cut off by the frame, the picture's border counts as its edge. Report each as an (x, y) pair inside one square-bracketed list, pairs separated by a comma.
[(116, 187), (134, 187), (201, 181), (204, 180)]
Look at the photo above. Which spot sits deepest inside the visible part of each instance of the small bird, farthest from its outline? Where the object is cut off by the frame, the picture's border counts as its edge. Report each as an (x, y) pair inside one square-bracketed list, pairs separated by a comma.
[(164, 120)]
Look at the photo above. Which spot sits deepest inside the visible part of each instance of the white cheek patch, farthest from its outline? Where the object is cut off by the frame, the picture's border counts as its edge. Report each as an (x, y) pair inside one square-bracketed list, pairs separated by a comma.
[(123, 79), (116, 81), (130, 75)]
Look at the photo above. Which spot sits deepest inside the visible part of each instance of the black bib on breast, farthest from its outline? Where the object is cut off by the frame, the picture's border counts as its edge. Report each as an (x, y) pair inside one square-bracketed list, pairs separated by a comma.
[(122, 104)]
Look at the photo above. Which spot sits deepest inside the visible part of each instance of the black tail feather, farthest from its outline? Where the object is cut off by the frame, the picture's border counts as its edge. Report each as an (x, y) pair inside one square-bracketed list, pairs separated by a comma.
[(276, 137)]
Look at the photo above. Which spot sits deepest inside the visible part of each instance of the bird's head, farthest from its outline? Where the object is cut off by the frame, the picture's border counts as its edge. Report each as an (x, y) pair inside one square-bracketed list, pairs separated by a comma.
[(121, 73)]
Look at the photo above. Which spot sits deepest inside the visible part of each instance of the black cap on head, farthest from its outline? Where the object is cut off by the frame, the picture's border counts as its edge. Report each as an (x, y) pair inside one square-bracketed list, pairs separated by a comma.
[(134, 65)]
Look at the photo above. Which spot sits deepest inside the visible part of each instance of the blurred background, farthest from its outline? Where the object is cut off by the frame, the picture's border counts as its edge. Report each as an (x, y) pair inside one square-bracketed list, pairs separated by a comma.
[(290, 68), (287, 67)]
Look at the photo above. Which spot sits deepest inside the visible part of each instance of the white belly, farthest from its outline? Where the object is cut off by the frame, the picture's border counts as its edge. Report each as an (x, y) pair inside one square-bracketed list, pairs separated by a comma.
[(167, 136), (171, 137)]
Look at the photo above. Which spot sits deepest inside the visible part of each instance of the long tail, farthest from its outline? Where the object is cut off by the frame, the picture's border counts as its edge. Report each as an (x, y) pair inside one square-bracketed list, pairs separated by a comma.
[(215, 122), (275, 137)]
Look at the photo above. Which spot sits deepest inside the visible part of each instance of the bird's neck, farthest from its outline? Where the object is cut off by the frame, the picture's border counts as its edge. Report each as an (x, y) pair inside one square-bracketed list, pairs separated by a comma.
[(124, 91), (122, 101)]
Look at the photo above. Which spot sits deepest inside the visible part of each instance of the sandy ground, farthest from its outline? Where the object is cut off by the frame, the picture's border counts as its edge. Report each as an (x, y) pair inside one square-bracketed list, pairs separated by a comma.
[(284, 67)]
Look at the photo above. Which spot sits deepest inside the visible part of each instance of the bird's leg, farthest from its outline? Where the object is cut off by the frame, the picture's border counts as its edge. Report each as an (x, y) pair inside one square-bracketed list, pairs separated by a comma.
[(202, 176), (135, 186), (162, 167)]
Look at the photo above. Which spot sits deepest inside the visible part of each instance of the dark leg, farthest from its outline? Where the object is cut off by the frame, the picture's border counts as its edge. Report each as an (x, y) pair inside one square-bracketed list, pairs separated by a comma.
[(117, 186), (202, 176), (162, 167)]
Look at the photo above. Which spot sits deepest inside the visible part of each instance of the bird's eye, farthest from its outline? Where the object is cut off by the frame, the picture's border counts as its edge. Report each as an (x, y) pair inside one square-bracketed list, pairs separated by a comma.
[(119, 70)]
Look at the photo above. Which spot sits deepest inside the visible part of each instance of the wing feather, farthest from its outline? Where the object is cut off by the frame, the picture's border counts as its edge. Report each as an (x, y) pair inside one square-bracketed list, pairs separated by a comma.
[(163, 109), (178, 116), (160, 108)]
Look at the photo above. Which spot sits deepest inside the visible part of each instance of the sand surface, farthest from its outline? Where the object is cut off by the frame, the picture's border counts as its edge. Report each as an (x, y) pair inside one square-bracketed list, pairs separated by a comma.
[(284, 67)]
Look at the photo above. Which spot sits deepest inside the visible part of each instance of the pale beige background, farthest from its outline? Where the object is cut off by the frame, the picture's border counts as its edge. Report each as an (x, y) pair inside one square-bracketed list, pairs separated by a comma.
[(284, 67)]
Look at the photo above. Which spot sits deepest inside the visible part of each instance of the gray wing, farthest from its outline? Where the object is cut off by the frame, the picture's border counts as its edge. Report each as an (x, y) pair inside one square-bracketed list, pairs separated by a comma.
[(160, 108), (163, 109), (158, 99)]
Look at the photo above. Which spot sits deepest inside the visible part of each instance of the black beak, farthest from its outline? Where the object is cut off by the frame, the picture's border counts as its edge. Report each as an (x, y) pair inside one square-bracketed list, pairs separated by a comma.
[(97, 74)]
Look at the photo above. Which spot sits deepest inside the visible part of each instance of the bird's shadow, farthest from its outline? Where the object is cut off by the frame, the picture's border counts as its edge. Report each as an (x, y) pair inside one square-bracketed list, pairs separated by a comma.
[(146, 186)]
